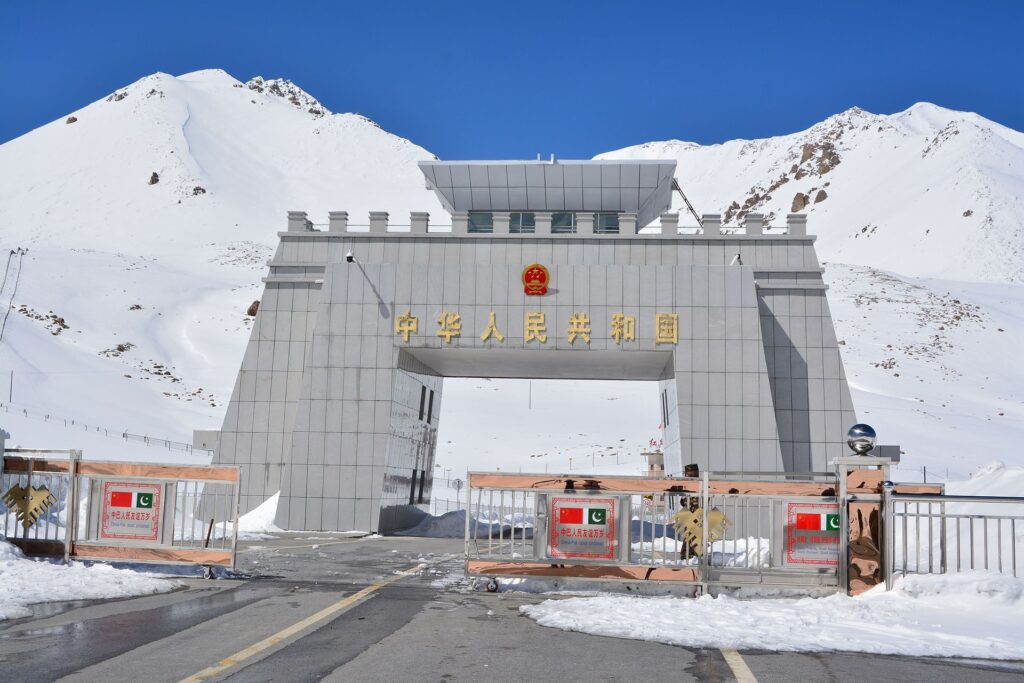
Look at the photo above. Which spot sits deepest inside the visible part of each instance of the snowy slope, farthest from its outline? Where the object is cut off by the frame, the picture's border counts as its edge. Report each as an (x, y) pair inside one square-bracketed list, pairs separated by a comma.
[(166, 270), (925, 192), (188, 250)]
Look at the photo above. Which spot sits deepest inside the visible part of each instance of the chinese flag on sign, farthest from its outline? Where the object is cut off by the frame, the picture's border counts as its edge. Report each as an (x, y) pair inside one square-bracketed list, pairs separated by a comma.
[(121, 499), (570, 515)]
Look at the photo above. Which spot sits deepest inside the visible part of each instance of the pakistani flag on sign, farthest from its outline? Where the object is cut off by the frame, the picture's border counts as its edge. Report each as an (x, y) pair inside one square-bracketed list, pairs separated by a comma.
[(817, 521), (593, 516), (131, 499)]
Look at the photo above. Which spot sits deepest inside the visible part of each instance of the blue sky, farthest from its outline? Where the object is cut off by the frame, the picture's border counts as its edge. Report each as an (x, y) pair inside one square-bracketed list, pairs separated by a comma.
[(483, 80)]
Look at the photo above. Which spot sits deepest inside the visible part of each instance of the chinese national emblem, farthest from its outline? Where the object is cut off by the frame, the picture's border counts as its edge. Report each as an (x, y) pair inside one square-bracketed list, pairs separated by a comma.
[(535, 280)]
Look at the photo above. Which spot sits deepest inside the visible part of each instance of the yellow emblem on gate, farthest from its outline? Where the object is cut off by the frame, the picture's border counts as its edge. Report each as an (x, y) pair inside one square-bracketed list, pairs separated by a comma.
[(690, 525), (29, 504)]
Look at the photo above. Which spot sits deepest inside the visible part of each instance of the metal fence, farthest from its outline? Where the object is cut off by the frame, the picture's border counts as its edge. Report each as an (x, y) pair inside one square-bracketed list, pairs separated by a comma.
[(949, 534), (197, 521), (745, 546), (124, 435)]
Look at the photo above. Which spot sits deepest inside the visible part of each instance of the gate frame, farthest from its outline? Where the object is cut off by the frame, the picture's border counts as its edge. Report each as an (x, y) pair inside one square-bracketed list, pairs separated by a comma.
[(74, 469)]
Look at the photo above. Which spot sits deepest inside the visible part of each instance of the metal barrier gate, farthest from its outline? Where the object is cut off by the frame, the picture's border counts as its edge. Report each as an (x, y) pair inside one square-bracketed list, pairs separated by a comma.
[(642, 529), (118, 511)]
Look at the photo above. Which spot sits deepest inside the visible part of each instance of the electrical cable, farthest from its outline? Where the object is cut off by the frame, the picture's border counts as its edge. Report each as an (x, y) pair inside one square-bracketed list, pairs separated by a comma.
[(14, 292)]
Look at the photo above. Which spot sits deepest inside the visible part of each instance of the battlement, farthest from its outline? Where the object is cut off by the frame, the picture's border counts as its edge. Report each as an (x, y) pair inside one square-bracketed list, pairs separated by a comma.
[(545, 224)]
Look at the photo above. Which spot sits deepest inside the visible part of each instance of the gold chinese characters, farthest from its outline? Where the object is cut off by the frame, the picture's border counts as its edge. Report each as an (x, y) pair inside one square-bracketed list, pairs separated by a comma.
[(622, 327)]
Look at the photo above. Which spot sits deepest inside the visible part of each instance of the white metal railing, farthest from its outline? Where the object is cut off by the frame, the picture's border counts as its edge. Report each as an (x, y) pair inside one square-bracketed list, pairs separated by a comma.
[(939, 534)]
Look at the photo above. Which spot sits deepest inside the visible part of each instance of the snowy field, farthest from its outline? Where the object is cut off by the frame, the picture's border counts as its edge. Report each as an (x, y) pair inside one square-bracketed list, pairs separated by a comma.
[(965, 615), (24, 582)]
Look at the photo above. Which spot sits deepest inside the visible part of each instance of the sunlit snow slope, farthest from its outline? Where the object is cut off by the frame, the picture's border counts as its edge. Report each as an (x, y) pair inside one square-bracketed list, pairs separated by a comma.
[(149, 215)]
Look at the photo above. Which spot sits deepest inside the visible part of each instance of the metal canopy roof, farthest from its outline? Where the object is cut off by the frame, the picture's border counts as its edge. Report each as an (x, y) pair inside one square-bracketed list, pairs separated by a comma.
[(640, 187)]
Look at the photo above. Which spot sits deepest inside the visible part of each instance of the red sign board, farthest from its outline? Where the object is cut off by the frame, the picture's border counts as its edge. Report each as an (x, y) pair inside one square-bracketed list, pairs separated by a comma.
[(535, 280), (131, 511), (812, 534), (583, 527)]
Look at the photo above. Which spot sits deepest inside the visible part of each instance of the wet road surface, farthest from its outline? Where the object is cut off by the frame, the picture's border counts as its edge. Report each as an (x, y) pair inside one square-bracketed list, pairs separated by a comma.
[(320, 607)]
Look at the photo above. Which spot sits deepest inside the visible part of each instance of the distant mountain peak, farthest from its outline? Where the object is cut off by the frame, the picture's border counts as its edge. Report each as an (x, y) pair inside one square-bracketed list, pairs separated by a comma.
[(288, 91)]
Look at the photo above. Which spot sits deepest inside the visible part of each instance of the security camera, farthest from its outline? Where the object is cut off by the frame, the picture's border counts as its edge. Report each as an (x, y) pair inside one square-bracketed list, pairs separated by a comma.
[(350, 257)]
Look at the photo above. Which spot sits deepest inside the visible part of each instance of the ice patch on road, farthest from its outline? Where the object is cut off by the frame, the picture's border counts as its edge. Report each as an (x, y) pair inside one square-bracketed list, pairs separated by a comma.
[(25, 582), (973, 614)]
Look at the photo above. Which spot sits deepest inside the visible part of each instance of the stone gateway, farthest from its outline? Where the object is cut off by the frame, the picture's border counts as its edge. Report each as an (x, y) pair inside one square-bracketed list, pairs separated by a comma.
[(542, 271)]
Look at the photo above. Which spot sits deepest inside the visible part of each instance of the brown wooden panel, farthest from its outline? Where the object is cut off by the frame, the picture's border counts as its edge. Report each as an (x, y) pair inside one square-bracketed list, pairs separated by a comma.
[(38, 547), (617, 572), (612, 484), (41, 465), (125, 469), (117, 553), (864, 480), (925, 489), (132, 469), (773, 488)]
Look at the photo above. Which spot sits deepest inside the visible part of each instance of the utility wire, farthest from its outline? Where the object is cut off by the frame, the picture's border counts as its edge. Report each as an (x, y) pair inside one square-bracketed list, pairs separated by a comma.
[(7, 270), (14, 292)]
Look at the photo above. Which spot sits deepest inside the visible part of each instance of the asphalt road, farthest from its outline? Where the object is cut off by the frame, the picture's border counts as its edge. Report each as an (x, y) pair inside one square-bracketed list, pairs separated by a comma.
[(315, 607)]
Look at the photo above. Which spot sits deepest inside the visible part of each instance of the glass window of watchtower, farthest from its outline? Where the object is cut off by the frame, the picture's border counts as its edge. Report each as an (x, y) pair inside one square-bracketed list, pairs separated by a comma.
[(606, 223), (563, 222), (522, 222), (481, 221)]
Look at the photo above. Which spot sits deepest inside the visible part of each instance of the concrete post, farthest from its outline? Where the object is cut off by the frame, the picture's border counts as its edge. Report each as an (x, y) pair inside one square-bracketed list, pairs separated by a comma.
[(378, 221), (753, 223), (542, 221), (419, 222), (501, 219), (796, 223), (585, 224), (670, 223), (712, 223), (337, 221), (627, 223), (297, 221), (460, 222)]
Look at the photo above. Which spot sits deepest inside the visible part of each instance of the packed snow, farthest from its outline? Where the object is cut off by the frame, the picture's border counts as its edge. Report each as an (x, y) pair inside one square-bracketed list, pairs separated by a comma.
[(962, 615), (25, 582)]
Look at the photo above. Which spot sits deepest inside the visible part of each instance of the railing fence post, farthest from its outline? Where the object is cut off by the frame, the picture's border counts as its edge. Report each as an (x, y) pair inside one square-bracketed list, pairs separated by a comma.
[(71, 504), (888, 546), (705, 560)]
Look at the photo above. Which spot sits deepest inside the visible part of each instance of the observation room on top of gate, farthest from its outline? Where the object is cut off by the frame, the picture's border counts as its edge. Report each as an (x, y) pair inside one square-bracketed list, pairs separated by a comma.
[(551, 197)]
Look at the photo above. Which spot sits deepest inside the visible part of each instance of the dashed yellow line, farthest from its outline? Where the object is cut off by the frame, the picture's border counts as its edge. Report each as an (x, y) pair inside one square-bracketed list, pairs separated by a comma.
[(739, 667), (296, 628)]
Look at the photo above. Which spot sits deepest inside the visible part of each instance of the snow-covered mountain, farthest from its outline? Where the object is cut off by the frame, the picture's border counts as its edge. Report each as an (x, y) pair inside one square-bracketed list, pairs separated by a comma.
[(148, 217), (927, 192)]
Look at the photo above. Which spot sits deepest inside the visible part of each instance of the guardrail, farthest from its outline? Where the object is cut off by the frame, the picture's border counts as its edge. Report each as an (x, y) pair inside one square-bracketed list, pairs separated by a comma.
[(124, 435), (118, 511), (939, 534)]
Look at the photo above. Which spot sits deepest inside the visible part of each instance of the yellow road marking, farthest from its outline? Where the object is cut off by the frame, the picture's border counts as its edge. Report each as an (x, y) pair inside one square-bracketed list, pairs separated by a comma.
[(282, 635), (739, 667)]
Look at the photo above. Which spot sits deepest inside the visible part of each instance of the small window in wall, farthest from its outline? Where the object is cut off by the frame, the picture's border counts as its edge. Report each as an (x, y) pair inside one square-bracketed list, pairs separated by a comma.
[(606, 223), (522, 223), (423, 399), (664, 407), (563, 222), (430, 407), (423, 479), (481, 221)]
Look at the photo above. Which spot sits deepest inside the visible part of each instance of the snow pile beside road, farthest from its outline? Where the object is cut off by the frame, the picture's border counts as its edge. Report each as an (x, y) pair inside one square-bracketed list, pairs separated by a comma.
[(25, 582), (963, 615), (256, 524)]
